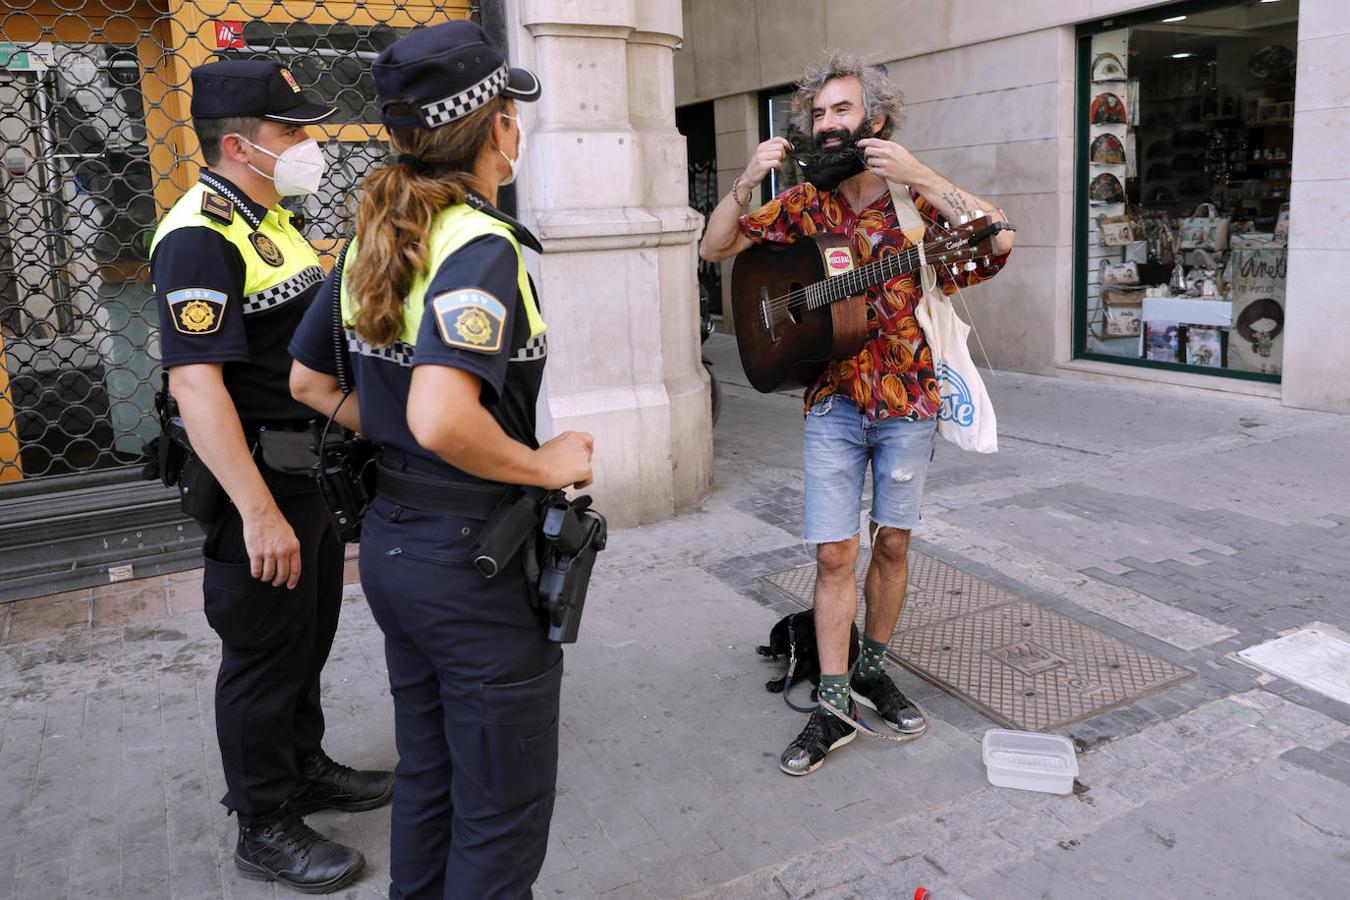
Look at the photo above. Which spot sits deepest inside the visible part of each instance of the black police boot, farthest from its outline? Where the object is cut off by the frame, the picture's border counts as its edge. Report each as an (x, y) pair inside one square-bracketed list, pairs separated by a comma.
[(325, 784), (281, 847)]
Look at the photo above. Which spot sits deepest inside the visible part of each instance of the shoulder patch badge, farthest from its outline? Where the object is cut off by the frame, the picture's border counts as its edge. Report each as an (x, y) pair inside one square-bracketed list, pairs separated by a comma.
[(470, 319), (268, 250), (196, 310), (290, 79), (217, 207)]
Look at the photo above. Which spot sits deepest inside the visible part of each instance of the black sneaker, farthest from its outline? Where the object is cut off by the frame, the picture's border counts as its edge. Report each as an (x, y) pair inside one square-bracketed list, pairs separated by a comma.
[(325, 784), (282, 848), (879, 693), (824, 731)]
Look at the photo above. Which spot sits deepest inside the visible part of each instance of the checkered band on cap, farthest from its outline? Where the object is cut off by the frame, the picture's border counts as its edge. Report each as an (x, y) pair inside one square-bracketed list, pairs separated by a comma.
[(434, 115)]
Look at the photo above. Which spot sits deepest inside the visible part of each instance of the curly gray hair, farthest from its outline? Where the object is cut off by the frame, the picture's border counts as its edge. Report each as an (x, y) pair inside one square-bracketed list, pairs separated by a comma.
[(881, 96)]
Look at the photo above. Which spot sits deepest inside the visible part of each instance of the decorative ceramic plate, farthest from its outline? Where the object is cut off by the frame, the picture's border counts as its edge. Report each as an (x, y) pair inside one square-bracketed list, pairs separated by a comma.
[(1272, 63)]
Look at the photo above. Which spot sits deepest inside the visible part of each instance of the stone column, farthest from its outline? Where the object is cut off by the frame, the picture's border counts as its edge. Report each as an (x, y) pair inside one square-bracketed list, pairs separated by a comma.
[(605, 188), (1317, 316)]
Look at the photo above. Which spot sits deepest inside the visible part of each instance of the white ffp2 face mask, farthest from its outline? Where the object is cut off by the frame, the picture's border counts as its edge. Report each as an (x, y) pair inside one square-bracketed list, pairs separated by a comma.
[(520, 153), (299, 169)]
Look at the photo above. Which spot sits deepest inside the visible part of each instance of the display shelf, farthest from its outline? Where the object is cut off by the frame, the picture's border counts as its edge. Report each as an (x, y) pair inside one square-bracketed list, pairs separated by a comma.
[(1214, 313)]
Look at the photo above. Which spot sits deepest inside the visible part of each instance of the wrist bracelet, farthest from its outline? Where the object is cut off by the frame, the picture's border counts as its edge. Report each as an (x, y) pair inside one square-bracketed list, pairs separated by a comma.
[(735, 193)]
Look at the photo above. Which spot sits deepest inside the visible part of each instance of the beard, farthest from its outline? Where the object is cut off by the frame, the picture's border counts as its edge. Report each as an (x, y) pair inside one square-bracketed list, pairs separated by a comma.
[(827, 168)]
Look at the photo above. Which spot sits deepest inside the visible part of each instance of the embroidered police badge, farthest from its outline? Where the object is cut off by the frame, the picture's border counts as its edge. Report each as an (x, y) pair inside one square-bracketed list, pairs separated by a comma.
[(196, 310), (217, 207), (470, 319), (266, 248)]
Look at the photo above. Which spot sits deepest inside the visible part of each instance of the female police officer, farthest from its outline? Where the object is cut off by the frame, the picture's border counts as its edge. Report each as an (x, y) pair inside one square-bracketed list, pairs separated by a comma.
[(445, 339)]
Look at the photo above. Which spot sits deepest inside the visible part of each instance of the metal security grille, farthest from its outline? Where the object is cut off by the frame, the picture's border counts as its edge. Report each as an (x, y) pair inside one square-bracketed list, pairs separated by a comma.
[(95, 144), (703, 197)]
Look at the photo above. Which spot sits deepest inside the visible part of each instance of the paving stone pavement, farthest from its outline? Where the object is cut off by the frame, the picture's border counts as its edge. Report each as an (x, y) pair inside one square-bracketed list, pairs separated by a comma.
[(1191, 525)]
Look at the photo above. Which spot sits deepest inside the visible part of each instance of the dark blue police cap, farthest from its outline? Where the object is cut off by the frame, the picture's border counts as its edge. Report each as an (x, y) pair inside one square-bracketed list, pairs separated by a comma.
[(252, 87), (438, 74)]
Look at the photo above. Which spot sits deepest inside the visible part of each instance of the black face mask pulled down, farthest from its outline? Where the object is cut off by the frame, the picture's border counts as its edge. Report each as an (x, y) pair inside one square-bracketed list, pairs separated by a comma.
[(828, 168)]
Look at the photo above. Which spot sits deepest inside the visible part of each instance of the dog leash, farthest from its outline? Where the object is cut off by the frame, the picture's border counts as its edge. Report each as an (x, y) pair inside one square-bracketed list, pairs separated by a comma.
[(787, 686), (898, 738), (792, 669)]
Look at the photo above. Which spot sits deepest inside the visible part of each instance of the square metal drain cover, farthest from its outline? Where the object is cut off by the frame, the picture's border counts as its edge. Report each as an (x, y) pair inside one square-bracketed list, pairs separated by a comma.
[(1021, 664)]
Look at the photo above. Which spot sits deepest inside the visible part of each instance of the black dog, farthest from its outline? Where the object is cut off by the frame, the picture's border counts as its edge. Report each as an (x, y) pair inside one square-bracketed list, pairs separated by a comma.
[(794, 636)]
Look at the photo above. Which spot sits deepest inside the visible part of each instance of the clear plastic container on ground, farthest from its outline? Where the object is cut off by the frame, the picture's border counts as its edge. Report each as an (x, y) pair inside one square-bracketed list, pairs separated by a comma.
[(1029, 761)]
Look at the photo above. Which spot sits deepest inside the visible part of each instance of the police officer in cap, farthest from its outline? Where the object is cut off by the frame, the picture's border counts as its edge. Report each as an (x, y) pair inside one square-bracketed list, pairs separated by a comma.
[(233, 277), (446, 341)]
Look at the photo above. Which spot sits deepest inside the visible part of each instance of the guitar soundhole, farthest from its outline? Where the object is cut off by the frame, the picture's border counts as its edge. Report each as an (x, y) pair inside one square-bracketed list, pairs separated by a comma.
[(794, 314)]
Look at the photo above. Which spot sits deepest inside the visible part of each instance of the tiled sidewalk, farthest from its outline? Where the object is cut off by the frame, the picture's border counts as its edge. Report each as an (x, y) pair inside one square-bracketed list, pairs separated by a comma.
[(1152, 518)]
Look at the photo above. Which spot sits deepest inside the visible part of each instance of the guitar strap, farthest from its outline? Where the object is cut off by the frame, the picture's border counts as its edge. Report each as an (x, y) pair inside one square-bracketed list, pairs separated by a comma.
[(911, 223), (907, 214)]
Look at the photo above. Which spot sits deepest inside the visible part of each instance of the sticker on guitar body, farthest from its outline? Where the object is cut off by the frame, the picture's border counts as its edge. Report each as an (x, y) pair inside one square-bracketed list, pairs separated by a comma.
[(838, 261)]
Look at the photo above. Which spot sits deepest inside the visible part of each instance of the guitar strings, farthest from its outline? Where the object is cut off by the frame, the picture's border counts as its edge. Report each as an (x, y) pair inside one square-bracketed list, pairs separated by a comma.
[(778, 304), (786, 301)]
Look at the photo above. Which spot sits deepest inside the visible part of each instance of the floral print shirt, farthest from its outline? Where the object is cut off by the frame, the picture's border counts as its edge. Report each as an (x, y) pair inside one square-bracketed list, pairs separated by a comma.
[(893, 375)]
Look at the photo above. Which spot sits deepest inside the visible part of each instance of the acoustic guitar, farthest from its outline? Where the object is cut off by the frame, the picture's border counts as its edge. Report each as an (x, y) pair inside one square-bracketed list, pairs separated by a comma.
[(796, 306)]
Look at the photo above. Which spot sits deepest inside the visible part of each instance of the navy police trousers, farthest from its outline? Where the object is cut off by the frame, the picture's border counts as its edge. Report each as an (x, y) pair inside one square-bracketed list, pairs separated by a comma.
[(476, 687), (274, 645)]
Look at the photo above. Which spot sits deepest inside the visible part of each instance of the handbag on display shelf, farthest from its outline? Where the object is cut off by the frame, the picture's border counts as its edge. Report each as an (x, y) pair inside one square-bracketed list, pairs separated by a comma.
[(1205, 230), (1122, 313), (1136, 252), (1163, 243), (1117, 231), (1119, 272), (1203, 278)]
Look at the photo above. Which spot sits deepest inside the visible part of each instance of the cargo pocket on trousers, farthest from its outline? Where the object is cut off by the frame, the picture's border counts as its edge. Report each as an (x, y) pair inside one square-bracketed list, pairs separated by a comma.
[(243, 610), (520, 737)]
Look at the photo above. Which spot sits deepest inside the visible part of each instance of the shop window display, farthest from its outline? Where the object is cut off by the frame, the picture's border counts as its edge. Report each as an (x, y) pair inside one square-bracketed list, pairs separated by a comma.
[(1186, 150)]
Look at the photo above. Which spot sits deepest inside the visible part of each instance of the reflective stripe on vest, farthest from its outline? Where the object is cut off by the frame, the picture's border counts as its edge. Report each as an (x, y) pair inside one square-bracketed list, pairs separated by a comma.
[(265, 286), (453, 227)]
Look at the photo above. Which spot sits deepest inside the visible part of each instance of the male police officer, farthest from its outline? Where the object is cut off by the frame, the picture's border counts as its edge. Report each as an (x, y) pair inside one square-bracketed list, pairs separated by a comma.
[(233, 277)]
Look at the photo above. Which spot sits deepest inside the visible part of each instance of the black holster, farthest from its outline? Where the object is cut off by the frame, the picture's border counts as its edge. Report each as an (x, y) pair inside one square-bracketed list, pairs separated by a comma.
[(572, 535), (171, 460), (345, 475), (556, 538)]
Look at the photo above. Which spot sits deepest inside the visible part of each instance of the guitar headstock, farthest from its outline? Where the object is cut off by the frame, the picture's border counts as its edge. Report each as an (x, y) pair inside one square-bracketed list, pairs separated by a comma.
[(966, 242)]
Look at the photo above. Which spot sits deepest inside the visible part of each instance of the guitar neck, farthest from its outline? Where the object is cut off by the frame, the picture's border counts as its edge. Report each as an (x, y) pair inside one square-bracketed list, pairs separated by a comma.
[(823, 293)]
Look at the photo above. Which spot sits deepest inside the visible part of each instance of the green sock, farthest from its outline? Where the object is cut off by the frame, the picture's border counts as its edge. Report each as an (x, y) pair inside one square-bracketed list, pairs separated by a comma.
[(873, 659), (834, 691)]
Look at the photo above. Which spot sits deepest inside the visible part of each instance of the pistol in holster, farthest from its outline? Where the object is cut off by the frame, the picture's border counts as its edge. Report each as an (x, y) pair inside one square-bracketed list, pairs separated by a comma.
[(345, 475), (170, 459), (560, 539), (573, 533)]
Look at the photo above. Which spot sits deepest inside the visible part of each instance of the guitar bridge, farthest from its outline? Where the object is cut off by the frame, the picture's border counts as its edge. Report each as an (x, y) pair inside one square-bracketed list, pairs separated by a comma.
[(765, 317)]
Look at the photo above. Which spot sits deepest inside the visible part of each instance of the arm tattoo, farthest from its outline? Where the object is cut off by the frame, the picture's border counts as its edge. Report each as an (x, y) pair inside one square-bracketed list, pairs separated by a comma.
[(957, 201)]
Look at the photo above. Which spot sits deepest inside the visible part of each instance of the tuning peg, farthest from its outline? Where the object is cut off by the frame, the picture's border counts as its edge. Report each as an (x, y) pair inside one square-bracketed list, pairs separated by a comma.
[(962, 219), (977, 214), (970, 266)]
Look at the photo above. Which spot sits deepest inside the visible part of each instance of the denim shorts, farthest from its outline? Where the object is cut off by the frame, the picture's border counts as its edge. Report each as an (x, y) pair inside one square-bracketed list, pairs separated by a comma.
[(840, 443)]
